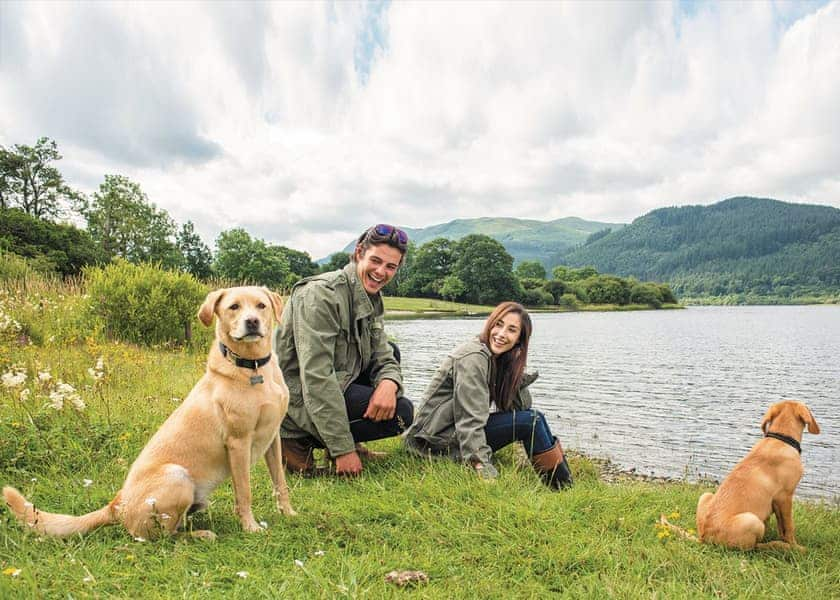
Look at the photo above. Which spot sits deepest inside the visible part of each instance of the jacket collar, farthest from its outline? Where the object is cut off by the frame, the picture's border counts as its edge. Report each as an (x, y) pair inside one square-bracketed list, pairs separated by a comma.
[(364, 305)]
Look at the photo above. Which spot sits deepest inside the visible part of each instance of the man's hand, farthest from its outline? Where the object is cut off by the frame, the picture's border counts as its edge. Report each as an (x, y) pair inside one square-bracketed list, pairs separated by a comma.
[(383, 402), (348, 464)]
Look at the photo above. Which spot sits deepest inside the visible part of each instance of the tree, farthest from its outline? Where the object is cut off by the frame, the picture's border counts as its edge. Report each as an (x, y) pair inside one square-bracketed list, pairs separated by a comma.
[(241, 259), (300, 263), (485, 268), (337, 261), (57, 246), (451, 288), (29, 181), (121, 218), (432, 263), (607, 289), (530, 269), (198, 260)]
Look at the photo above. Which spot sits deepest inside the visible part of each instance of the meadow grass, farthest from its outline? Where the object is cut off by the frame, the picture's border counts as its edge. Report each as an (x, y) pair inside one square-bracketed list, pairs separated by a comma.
[(395, 305), (512, 538), (431, 305)]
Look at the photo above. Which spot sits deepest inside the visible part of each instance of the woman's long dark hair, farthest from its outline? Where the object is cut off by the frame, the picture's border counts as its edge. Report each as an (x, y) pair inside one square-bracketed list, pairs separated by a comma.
[(507, 369)]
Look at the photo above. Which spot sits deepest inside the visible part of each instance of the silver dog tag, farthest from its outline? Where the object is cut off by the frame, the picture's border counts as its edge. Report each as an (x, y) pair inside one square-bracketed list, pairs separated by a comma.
[(255, 379)]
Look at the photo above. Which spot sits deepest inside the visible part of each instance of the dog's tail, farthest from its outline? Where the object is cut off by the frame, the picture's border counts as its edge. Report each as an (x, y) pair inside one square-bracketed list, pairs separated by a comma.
[(664, 522), (55, 524)]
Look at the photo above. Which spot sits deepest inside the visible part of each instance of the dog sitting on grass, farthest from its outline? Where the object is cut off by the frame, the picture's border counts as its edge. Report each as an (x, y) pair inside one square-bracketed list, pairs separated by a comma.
[(762, 483), (230, 418)]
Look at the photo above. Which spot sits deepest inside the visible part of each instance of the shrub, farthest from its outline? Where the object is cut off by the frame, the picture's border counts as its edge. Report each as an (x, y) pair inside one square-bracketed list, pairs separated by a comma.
[(569, 301), (646, 293), (143, 303), (537, 297)]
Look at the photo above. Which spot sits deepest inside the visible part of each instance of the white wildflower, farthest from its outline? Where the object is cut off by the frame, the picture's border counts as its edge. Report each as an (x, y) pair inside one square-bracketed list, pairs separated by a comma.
[(242, 574), (87, 579), (151, 501), (175, 400), (298, 563), (56, 400), (319, 553), (97, 372), (24, 394), (264, 524), (14, 378), (139, 539), (77, 402), (87, 482), (44, 376)]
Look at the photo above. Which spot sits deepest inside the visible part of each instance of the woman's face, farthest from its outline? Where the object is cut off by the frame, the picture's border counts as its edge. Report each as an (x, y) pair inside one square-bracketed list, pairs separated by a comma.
[(505, 333)]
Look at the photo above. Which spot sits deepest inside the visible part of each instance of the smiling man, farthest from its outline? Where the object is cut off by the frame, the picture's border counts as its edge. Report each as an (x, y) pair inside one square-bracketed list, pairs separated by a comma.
[(343, 376)]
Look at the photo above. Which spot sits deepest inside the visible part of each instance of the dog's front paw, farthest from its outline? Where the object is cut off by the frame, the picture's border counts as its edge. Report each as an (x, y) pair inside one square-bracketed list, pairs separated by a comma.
[(287, 510), (251, 526)]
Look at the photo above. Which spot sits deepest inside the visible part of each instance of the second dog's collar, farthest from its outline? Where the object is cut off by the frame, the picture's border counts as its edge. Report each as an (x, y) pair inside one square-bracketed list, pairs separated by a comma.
[(247, 363), (786, 439)]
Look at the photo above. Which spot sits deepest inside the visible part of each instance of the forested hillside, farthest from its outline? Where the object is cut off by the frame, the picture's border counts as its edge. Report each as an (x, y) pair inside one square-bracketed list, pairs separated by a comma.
[(741, 247), (524, 239)]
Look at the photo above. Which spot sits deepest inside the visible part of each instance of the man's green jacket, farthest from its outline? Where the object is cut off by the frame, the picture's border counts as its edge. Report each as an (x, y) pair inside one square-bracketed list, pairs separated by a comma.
[(331, 331)]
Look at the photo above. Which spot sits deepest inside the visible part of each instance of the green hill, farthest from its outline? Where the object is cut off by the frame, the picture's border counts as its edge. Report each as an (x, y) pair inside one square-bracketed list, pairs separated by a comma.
[(524, 239), (742, 247)]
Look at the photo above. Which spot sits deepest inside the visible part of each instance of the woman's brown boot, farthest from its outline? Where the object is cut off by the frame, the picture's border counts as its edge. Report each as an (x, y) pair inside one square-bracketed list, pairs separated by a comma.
[(552, 467)]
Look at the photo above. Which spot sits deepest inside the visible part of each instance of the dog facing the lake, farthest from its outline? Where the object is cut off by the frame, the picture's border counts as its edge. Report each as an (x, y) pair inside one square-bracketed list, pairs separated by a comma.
[(230, 418), (763, 482)]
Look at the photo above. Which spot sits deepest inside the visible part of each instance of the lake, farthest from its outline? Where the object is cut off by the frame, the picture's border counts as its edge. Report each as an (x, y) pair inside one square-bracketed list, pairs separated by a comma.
[(676, 393)]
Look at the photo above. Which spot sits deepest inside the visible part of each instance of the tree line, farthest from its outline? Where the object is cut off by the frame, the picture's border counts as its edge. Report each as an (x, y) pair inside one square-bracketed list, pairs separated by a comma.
[(743, 248), (121, 222)]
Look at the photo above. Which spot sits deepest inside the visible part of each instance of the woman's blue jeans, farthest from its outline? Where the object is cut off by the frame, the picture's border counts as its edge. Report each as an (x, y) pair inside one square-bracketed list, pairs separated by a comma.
[(526, 426)]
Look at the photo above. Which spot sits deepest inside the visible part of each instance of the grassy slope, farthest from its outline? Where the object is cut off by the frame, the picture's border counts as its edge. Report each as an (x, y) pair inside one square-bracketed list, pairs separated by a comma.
[(396, 305), (512, 538)]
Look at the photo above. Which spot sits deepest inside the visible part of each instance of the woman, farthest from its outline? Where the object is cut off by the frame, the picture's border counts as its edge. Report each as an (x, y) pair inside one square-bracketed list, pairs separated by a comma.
[(455, 417)]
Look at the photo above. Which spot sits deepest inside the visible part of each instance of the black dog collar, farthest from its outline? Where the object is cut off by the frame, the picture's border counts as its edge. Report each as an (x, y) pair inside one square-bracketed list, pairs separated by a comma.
[(786, 439), (247, 363)]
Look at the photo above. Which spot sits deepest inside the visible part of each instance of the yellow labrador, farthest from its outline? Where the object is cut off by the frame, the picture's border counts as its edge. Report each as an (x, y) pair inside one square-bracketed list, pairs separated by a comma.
[(763, 482), (230, 418)]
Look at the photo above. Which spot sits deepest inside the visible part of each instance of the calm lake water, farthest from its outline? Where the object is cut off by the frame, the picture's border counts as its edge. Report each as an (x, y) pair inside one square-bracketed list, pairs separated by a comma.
[(673, 393)]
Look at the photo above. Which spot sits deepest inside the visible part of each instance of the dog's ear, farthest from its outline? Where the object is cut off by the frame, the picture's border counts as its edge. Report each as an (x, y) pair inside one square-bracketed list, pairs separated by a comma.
[(808, 417), (276, 303), (771, 414), (208, 309)]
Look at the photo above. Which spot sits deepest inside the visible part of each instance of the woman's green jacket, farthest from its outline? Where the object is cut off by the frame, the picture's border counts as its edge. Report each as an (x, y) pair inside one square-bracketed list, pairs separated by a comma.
[(456, 406)]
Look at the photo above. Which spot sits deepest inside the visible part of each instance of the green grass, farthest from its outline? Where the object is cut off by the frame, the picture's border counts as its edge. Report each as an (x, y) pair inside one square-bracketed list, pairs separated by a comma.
[(395, 306), (510, 538), (429, 305)]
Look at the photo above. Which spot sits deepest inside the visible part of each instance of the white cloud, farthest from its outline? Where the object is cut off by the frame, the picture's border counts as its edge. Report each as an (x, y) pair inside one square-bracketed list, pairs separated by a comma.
[(306, 122)]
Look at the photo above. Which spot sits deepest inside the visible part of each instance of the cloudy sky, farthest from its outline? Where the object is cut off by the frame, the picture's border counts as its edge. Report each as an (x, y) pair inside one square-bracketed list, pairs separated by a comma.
[(306, 122)]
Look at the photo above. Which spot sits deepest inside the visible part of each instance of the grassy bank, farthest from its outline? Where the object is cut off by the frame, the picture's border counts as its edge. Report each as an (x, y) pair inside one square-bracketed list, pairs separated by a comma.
[(511, 538), (396, 307)]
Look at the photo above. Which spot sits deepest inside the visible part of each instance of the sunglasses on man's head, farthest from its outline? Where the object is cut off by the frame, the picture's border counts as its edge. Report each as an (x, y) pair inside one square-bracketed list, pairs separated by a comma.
[(388, 233)]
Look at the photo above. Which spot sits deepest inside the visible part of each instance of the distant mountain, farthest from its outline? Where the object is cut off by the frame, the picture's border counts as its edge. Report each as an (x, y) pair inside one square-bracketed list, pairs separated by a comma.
[(524, 239), (740, 246)]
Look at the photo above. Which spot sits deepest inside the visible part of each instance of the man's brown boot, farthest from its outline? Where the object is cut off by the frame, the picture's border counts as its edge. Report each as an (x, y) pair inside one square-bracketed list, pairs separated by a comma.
[(297, 455), (368, 454)]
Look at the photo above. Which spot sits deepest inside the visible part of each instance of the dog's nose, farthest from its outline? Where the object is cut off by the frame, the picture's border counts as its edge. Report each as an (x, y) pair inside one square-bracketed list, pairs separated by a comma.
[(252, 324)]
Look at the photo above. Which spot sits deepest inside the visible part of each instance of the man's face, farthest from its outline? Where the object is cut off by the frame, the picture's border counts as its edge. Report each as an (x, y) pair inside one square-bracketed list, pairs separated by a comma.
[(376, 266)]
